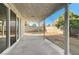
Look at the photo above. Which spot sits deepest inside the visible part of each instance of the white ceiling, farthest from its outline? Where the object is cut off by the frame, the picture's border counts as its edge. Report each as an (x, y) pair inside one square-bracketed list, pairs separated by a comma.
[(38, 10)]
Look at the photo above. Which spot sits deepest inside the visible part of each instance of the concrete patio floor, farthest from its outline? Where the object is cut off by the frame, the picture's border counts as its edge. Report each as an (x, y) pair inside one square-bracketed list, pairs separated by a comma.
[(34, 45)]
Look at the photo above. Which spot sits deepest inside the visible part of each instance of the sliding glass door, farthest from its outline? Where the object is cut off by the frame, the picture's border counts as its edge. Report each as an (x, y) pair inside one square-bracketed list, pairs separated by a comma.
[(12, 27), (2, 28), (8, 37)]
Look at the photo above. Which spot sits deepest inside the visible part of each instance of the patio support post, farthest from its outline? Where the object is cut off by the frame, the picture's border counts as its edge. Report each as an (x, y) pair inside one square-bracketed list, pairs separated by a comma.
[(38, 26), (8, 27), (66, 31), (19, 28), (44, 29)]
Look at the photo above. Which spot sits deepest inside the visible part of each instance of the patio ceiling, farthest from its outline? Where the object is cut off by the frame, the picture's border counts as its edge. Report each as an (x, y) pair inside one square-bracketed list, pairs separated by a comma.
[(38, 11)]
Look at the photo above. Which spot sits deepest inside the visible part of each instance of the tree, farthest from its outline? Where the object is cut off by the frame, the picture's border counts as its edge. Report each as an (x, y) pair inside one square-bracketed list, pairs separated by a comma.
[(60, 22), (74, 23)]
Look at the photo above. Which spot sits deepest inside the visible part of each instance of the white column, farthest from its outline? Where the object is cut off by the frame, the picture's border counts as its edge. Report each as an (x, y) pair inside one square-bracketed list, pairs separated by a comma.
[(8, 27), (66, 31), (19, 27), (44, 29)]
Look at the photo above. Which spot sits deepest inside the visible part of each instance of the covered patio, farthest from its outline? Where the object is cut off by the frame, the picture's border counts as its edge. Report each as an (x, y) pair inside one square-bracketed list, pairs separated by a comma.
[(30, 43)]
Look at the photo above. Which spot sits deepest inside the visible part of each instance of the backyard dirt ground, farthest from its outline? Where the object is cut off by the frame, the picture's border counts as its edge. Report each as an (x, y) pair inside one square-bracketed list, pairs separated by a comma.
[(57, 36)]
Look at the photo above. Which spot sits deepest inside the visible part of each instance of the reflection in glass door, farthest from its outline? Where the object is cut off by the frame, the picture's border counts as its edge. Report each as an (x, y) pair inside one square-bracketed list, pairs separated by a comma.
[(2, 28), (12, 27), (17, 28)]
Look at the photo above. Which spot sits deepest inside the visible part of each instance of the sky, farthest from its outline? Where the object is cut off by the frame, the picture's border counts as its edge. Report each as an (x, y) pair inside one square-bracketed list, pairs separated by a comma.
[(74, 7)]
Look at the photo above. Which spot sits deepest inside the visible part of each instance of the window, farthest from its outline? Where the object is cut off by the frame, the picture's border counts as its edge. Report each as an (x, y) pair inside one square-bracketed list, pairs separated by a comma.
[(17, 28)]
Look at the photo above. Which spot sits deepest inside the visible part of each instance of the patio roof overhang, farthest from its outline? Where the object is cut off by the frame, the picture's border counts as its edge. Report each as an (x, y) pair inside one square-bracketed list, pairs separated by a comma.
[(37, 11)]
